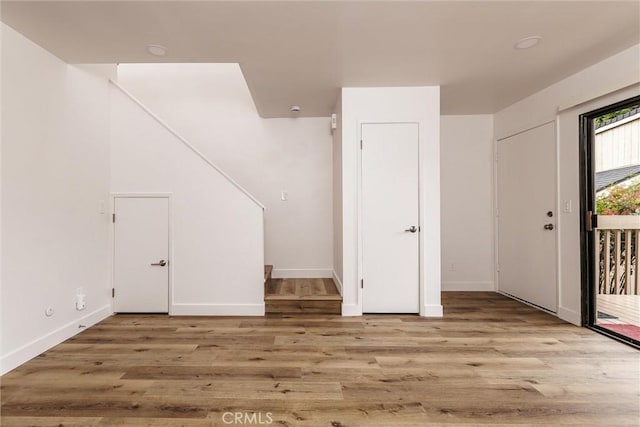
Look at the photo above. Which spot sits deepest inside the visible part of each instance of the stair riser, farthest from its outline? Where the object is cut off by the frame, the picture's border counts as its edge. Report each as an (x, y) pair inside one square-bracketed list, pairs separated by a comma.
[(303, 307)]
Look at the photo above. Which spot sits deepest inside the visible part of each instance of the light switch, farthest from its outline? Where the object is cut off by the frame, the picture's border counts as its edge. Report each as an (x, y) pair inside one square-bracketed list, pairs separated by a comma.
[(284, 196), (101, 206), (567, 207)]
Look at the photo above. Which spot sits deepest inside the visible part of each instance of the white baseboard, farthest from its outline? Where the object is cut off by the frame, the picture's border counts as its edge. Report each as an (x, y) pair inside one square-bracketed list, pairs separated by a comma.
[(337, 282), (432, 310), (302, 273), (217, 310), (570, 316), (537, 307), (38, 346), (468, 286), (351, 310)]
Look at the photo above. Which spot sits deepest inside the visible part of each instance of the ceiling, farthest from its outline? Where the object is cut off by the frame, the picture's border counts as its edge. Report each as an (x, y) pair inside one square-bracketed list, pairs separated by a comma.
[(301, 52)]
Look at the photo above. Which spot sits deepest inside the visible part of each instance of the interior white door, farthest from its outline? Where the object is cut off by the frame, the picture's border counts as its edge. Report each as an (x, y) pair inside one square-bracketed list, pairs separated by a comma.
[(390, 242), (527, 249), (141, 255)]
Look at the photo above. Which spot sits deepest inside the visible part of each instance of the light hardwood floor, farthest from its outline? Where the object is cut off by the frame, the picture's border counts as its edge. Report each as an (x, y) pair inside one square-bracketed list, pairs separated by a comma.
[(295, 289), (304, 296), (490, 360)]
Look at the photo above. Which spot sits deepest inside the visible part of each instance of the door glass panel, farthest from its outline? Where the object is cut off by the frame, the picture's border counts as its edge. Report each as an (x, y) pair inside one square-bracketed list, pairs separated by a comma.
[(617, 236)]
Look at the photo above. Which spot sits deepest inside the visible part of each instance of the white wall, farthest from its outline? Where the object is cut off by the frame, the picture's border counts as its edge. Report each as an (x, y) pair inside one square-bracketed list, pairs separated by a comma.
[(466, 188), (337, 197), (210, 105), (403, 104), (217, 230), (606, 82), (55, 170)]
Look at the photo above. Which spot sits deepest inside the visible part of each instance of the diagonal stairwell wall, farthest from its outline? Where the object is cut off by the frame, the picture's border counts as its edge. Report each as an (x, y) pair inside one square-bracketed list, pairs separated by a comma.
[(212, 107), (217, 226)]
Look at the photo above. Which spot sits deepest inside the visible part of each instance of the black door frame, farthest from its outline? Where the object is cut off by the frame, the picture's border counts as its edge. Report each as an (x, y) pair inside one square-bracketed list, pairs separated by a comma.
[(587, 203)]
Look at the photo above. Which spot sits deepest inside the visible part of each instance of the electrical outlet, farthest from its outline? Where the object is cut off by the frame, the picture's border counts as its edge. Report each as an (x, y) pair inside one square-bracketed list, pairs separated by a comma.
[(452, 267)]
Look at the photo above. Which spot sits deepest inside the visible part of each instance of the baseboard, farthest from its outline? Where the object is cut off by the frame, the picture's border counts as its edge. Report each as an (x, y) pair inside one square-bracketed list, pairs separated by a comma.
[(468, 286), (38, 346), (570, 316), (217, 310), (537, 307), (432, 310), (337, 282), (302, 273), (349, 310)]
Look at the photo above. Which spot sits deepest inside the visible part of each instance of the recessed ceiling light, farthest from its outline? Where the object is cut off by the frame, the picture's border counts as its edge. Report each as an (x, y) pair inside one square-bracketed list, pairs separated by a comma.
[(295, 108), (157, 50), (527, 42)]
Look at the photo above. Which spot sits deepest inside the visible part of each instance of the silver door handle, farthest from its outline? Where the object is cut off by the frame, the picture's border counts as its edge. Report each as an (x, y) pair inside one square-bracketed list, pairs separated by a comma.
[(161, 263), (413, 229), (548, 227)]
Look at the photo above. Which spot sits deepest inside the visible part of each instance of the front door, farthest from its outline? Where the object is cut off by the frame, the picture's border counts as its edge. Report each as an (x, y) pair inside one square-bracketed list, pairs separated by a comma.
[(390, 227), (527, 216), (141, 255)]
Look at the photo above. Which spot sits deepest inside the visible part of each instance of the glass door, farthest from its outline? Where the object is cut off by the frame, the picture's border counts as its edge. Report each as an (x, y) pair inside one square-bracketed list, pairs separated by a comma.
[(611, 189)]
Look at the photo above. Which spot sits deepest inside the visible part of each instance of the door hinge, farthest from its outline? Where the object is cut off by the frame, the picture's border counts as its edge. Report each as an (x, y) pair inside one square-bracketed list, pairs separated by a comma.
[(113, 292), (362, 283), (113, 218), (361, 144)]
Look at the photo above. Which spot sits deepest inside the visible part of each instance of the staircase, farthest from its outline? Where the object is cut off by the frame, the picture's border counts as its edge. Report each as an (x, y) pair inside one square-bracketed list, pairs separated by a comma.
[(300, 296)]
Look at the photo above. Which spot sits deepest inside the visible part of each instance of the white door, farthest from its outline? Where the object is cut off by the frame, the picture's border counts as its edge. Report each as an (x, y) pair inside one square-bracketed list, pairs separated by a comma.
[(390, 243), (527, 216), (141, 255)]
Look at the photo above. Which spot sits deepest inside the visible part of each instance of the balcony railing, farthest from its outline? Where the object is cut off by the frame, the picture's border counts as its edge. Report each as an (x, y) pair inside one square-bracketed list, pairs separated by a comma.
[(618, 252)]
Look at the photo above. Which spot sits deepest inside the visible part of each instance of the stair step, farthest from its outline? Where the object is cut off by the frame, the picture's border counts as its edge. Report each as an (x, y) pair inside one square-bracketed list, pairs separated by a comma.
[(274, 297), (303, 306), (302, 296)]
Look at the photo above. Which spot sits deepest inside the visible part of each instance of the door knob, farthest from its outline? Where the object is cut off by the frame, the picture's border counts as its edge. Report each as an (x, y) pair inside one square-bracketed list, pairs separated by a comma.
[(413, 229), (548, 227), (161, 263)]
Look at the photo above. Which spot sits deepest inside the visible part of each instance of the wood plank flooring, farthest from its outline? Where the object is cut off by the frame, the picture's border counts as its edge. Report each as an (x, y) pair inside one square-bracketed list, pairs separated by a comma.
[(306, 296), (489, 361), (625, 308), (320, 289)]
